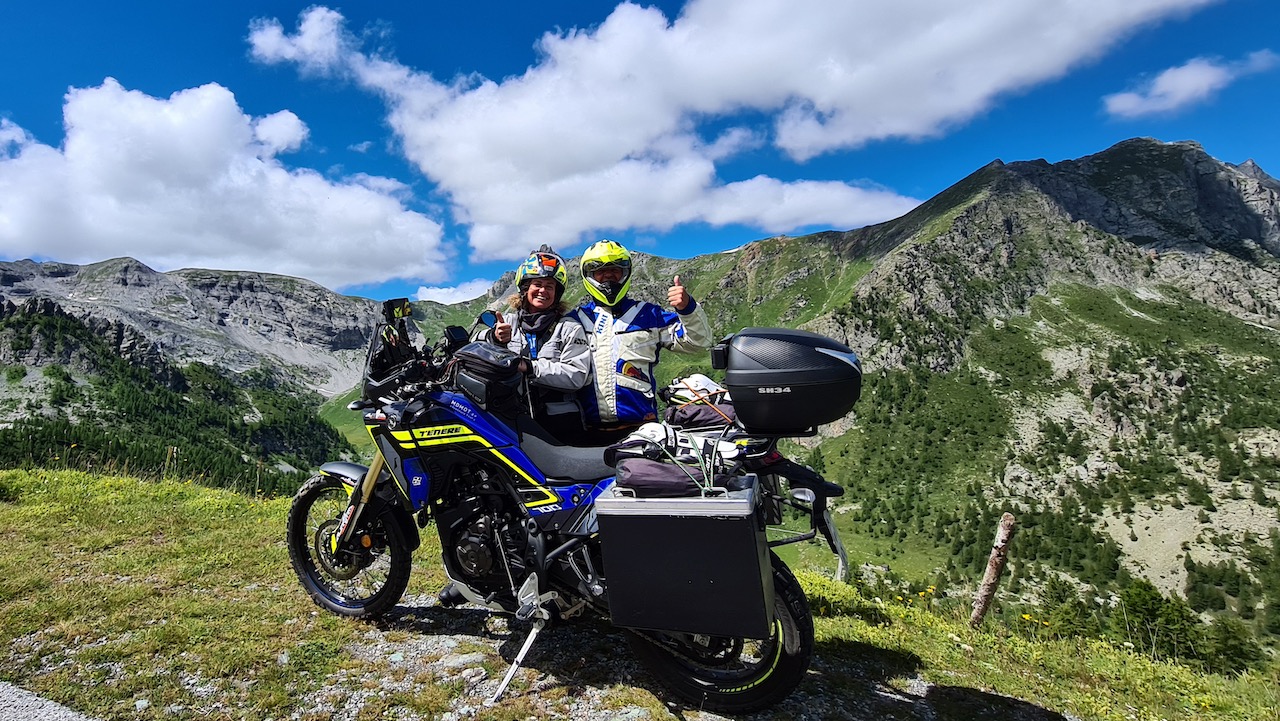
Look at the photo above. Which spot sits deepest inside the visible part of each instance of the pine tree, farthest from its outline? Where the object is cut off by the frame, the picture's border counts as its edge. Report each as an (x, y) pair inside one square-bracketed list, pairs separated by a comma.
[(1230, 648)]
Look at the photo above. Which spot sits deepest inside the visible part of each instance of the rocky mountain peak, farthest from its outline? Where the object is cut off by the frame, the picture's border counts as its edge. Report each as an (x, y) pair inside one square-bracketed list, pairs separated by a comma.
[(118, 271), (1166, 195), (1252, 170)]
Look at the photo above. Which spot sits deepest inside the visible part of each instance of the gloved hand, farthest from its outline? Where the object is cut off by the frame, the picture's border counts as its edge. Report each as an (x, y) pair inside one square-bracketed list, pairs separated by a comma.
[(502, 331)]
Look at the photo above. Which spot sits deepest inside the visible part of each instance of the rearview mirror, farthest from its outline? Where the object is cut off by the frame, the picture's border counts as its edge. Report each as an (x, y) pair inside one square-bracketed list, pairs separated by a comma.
[(489, 318)]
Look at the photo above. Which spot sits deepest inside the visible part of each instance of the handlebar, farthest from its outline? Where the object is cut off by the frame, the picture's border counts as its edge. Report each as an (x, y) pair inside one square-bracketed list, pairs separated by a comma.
[(426, 365)]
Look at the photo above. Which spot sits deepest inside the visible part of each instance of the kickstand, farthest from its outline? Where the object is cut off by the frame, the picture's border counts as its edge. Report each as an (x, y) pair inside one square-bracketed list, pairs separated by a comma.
[(537, 626)]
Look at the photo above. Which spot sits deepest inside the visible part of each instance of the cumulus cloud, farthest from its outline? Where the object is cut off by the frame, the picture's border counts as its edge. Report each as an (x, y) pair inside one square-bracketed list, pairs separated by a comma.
[(455, 294), (280, 132), (610, 128), (192, 181), (318, 47), (1193, 82)]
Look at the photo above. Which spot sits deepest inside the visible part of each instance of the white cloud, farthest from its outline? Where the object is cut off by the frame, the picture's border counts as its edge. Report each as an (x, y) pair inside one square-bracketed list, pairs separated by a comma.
[(778, 207), (318, 47), (1193, 82), (11, 136), (611, 128), (456, 294), (280, 132), (190, 180)]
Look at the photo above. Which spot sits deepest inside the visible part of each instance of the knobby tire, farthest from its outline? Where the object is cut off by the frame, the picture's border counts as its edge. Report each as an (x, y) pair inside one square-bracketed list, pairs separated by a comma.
[(365, 584), (716, 685)]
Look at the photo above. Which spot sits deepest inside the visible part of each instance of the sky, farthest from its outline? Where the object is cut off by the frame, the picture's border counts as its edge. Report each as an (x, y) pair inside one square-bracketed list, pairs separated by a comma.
[(388, 149)]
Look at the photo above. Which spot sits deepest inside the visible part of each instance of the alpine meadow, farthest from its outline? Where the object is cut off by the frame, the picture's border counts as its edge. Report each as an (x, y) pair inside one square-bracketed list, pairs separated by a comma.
[(1090, 346)]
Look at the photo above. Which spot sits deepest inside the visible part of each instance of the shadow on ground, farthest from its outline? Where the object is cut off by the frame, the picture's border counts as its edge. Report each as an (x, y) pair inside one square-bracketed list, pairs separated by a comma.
[(846, 680)]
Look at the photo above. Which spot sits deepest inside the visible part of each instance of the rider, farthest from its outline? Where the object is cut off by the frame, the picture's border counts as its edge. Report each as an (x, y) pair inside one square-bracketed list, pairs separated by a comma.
[(551, 341), (626, 336)]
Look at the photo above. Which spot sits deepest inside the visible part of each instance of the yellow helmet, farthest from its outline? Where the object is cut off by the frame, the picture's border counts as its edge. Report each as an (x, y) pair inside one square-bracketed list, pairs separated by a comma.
[(606, 254)]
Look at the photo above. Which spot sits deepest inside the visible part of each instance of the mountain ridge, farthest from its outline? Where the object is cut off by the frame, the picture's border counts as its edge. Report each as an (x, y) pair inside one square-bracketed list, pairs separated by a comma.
[(231, 319)]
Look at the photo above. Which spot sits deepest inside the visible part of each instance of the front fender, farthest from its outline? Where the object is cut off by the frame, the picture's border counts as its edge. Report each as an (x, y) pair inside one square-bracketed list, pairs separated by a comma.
[(345, 471), (350, 474)]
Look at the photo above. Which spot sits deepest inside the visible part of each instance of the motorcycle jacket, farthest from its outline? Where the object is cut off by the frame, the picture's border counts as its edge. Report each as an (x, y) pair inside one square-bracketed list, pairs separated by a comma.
[(559, 356), (625, 341)]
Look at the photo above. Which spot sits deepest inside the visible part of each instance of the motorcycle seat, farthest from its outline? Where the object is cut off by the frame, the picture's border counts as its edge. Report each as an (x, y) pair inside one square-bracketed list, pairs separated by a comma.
[(560, 463)]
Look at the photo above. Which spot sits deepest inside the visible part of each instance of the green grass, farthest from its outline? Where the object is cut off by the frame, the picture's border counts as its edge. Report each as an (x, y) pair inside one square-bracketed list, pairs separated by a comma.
[(150, 583), (1178, 320), (922, 634), (348, 423), (116, 590)]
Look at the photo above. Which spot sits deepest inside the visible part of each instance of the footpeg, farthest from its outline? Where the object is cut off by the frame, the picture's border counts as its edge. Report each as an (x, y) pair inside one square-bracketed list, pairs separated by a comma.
[(526, 611), (532, 603)]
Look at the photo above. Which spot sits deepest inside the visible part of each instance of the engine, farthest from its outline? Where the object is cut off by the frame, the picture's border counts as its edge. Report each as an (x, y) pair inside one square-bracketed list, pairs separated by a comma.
[(482, 547), (476, 550)]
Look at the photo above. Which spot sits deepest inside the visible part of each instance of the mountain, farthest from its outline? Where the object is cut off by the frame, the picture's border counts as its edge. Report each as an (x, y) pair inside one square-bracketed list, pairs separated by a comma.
[(1089, 344), (211, 374), (228, 319)]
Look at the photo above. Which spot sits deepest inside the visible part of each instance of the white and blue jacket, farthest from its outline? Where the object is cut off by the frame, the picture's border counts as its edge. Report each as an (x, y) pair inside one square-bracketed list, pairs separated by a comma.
[(625, 341)]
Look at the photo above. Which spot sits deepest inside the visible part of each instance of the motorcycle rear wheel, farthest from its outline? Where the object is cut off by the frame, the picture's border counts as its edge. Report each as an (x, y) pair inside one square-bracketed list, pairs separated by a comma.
[(360, 583), (736, 675)]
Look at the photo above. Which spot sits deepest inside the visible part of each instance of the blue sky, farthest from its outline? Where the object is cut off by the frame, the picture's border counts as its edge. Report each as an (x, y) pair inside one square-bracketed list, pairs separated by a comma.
[(391, 148)]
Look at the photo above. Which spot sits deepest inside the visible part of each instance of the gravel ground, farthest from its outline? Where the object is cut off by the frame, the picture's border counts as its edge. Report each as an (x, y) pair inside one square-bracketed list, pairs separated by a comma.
[(19, 705), (576, 671), (584, 671)]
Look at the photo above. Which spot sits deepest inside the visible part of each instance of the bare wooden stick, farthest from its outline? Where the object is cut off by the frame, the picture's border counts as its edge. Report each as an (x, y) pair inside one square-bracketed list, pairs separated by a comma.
[(995, 567)]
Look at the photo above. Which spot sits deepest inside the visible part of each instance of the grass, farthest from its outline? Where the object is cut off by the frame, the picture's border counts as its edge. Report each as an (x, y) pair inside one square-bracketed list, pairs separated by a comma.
[(983, 668), (347, 422), (169, 591), (132, 599)]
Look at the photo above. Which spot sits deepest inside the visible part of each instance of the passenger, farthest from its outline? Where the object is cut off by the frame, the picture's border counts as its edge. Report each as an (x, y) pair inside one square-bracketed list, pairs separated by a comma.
[(553, 344), (626, 336)]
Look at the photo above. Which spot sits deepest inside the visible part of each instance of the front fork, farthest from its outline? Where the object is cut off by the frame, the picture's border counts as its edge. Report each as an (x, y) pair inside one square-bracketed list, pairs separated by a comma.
[(360, 496)]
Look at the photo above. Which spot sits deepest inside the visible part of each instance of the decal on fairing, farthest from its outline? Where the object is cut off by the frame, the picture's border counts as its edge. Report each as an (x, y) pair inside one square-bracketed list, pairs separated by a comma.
[(576, 497), (419, 482), (535, 493), (462, 409)]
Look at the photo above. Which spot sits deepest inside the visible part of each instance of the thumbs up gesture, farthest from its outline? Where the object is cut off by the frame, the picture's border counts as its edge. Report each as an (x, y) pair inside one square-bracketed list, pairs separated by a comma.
[(677, 296), (502, 331)]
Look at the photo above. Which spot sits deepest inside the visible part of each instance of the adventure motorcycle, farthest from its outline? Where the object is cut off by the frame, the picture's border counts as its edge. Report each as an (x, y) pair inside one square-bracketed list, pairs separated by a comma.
[(545, 531)]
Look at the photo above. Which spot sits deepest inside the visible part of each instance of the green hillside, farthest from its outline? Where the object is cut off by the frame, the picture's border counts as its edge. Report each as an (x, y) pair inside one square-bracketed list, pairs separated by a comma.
[(347, 422), (130, 599), (251, 431), (923, 467)]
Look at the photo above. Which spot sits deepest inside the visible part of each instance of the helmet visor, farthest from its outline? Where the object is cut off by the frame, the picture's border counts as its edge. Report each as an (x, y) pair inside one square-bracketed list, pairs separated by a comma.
[(546, 264), (622, 264)]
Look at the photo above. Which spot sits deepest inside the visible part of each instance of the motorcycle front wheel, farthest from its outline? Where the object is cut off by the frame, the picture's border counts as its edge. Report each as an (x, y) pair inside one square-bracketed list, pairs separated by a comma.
[(360, 582), (736, 675)]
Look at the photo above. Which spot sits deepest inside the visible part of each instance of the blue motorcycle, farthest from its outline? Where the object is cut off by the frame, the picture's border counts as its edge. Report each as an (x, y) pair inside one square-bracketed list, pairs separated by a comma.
[(546, 531)]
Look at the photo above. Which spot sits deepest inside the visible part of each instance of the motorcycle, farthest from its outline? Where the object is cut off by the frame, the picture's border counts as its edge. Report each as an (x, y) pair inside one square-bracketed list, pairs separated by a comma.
[(545, 531)]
